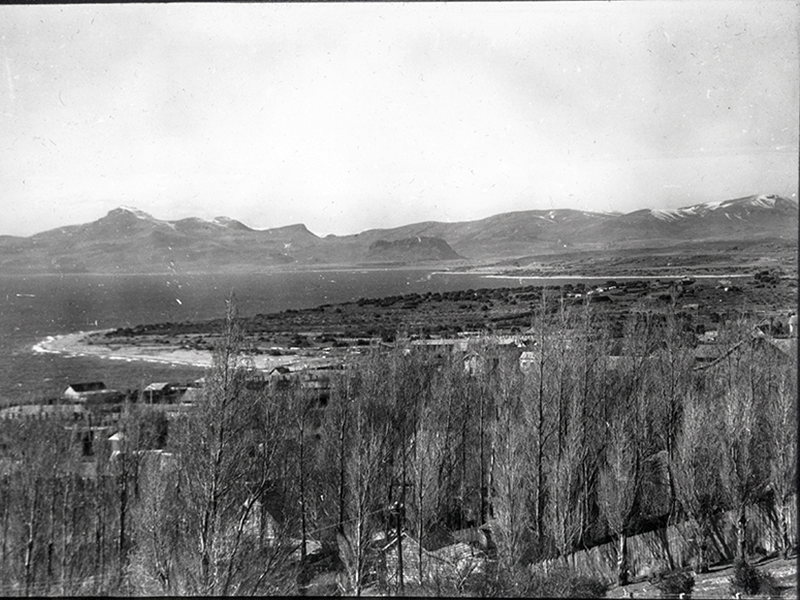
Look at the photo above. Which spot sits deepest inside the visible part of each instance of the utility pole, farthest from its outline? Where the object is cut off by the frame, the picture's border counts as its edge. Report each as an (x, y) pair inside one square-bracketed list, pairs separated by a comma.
[(397, 510)]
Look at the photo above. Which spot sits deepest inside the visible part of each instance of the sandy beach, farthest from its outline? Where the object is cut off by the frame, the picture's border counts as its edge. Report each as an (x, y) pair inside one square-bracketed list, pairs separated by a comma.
[(75, 344), (490, 274)]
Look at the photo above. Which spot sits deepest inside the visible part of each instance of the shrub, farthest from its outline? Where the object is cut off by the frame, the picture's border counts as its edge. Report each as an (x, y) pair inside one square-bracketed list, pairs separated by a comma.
[(672, 585), (747, 579), (587, 587), (565, 583)]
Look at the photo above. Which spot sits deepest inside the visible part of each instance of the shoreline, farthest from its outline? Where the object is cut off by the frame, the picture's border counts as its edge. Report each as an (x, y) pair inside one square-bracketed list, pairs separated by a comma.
[(74, 345), (585, 277), (81, 344)]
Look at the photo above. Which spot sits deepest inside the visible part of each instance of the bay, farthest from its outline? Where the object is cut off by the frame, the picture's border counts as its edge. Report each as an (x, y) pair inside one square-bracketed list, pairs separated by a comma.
[(35, 307)]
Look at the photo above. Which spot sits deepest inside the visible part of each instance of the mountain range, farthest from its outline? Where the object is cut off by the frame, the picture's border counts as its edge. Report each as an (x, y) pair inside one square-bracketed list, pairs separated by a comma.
[(128, 240)]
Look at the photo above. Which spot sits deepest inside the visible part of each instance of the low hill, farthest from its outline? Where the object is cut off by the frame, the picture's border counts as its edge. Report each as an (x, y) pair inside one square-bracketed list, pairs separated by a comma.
[(418, 249)]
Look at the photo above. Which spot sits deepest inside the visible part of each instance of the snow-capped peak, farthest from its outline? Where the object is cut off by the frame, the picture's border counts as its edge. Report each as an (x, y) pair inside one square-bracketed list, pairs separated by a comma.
[(141, 215), (673, 214), (137, 213), (764, 201)]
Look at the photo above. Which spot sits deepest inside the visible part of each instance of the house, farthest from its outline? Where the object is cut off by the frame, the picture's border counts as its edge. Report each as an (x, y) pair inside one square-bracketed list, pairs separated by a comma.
[(77, 391), (116, 441), (451, 564), (793, 325), (786, 347), (94, 392), (708, 337), (781, 349), (161, 391), (475, 364), (707, 353), (529, 358)]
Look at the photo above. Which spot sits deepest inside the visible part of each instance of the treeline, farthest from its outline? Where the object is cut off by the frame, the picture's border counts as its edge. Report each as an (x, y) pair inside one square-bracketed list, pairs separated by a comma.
[(258, 490)]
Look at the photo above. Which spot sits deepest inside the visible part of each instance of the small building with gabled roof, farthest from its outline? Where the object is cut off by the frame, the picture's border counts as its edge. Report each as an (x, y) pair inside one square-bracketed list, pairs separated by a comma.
[(93, 392), (163, 391), (454, 562), (78, 390)]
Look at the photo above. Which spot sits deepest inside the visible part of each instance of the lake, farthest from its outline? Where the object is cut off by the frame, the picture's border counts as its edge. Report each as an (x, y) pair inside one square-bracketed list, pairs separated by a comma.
[(34, 307)]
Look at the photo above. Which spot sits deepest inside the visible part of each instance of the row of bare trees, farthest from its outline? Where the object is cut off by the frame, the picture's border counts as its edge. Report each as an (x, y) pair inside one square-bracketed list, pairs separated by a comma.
[(583, 444)]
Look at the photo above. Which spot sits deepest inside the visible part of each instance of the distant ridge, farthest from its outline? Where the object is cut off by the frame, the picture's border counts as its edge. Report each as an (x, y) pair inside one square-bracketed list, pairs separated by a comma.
[(130, 240)]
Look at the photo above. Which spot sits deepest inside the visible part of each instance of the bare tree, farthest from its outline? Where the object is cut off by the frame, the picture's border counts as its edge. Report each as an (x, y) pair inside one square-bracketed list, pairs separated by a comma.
[(736, 383), (367, 456), (511, 492), (159, 556), (40, 455), (221, 468), (620, 479), (541, 428), (563, 509), (781, 442), (695, 470), (673, 373)]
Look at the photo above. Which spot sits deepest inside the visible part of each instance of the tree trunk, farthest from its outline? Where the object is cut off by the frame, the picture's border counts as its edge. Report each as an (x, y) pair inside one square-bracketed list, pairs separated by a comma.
[(400, 515), (30, 541), (4, 567), (783, 527), (342, 473), (302, 491), (51, 535), (123, 509), (400, 553), (719, 541), (741, 533), (663, 534), (65, 499), (622, 559), (101, 539), (481, 428)]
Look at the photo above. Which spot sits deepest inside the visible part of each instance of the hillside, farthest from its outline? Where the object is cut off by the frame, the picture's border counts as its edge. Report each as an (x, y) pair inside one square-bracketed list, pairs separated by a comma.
[(130, 240), (416, 249)]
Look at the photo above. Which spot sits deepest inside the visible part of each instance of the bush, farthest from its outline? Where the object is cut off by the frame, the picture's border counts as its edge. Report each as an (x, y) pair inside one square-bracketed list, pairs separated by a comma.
[(587, 587), (565, 583), (672, 585), (746, 579)]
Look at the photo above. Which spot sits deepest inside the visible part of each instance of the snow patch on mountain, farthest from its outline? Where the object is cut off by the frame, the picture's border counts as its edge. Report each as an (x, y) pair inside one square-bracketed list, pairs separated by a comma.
[(764, 201), (714, 204), (673, 214), (140, 214)]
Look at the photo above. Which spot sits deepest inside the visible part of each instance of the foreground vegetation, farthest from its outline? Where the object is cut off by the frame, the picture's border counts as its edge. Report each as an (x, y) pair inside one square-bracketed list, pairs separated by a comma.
[(270, 489)]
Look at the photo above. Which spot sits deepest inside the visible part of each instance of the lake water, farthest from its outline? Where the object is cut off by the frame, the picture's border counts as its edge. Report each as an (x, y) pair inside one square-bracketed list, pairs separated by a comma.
[(34, 307)]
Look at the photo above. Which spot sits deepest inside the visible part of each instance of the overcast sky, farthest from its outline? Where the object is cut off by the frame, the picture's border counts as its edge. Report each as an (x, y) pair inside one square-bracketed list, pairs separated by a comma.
[(351, 116)]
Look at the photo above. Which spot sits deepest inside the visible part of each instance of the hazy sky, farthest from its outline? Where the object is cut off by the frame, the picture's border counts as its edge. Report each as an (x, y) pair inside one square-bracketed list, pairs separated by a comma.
[(351, 116)]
